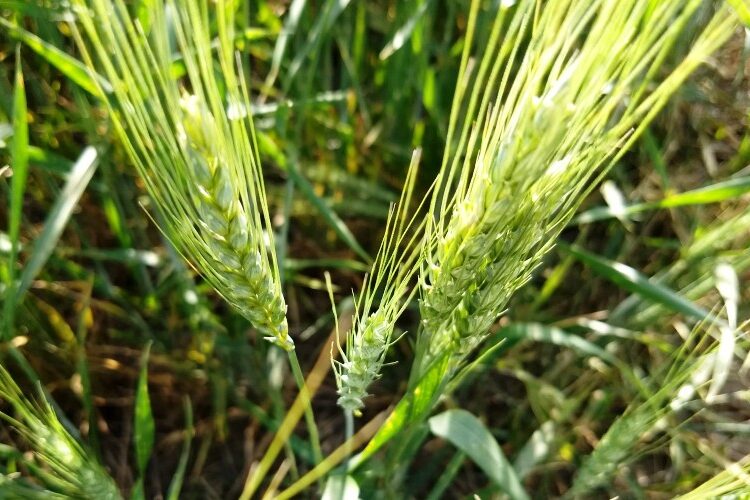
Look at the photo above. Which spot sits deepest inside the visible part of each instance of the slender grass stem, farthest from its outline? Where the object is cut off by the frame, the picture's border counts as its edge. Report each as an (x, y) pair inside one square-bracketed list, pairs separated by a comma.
[(312, 427), (334, 458), (349, 431), (298, 408)]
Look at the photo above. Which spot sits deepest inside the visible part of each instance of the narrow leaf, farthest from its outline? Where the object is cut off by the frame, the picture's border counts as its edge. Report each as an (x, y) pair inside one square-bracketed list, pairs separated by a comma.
[(633, 281), (19, 154), (69, 66), (468, 433), (552, 335), (328, 214), (413, 407), (144, 419), (714, 193), (403, 34), (179, 476), (728, 286), (58, 216)]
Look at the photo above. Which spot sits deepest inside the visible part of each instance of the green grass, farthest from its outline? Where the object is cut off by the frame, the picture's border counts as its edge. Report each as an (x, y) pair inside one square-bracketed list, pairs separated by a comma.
[(610, 360)]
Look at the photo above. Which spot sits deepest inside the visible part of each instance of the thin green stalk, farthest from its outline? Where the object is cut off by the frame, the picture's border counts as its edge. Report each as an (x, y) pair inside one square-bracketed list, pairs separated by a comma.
[(312, 428), (349, 432), (299, 407), (447, 476), (332, 460)]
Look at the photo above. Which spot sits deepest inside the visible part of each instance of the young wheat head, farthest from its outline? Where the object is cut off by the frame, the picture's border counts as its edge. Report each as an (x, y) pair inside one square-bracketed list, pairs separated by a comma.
[(561, 90), (194, 147), (388, 286), (63, 464)]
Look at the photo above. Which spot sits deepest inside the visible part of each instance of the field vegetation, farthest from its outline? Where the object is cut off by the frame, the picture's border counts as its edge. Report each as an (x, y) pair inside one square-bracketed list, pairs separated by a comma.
[(379, 249)]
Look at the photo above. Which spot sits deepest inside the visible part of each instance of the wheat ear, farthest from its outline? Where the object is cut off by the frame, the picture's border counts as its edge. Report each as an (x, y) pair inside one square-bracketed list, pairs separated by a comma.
[(194, 147), (389, 288), (66, 467), (545, 117)]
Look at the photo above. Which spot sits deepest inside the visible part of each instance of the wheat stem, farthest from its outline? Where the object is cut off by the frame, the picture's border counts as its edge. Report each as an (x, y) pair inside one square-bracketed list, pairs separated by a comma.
[(312, 427)]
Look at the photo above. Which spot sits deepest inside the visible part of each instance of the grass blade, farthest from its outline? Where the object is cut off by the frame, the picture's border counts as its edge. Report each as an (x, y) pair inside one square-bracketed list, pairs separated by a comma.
[(631, 280), (58, 216), (328, 214), (340, 487), (413, 407), (144, 425), (19, 151), (290, 27), (470, 435), (714, 193), (179, 476), (403, 34), (330, 11), (728, 286), (69, 66), (536, 449), (557, 336)]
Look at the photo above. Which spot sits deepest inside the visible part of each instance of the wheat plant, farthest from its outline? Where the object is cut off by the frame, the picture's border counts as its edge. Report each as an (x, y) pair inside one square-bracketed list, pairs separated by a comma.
[(389, 284)]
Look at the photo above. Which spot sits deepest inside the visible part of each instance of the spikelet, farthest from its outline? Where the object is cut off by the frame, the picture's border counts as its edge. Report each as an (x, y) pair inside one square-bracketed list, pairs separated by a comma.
[(732, 482), (545, 117), (67, 468), (194, 147), (396, 263), (672, 388)]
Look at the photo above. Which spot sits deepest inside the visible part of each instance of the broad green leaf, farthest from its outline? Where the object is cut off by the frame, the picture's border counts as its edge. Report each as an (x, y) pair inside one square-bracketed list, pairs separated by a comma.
[(341, 487), (69, 66), (468, 434), (633, 281), (19, 155), (143, 434), (57, 218)]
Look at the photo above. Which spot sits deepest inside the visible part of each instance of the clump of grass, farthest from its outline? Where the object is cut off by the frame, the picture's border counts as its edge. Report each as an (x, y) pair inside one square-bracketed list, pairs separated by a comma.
[(561, 91), (194, 146), (60, 462)]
